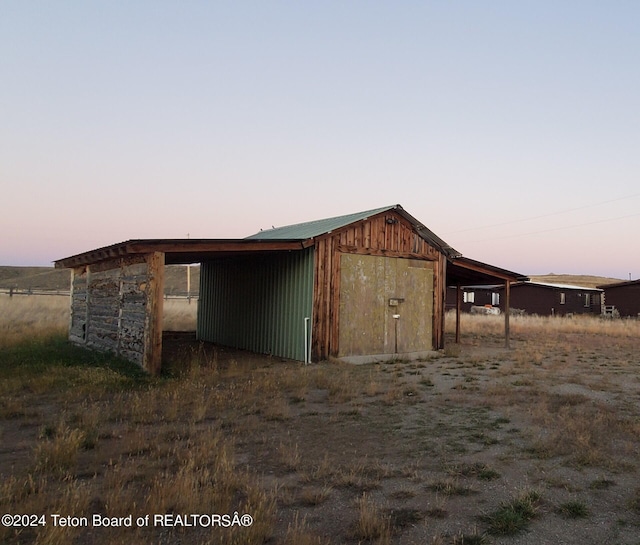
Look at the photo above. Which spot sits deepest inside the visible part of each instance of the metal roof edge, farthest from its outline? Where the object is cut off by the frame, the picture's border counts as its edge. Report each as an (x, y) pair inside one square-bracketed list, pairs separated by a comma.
[(560, 286), (336, 222)]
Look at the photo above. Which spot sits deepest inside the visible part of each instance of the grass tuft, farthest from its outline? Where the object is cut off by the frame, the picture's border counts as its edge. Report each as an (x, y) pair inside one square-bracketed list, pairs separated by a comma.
[(574, 509), (371, 522), (450, 487), (514, 516), (59, 453)]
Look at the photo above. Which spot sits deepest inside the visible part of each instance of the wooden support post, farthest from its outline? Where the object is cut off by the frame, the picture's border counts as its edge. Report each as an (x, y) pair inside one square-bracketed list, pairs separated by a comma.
[(458, 311), (71, 295), (152, 358), (440, 302), (189, 283), (507, 307)]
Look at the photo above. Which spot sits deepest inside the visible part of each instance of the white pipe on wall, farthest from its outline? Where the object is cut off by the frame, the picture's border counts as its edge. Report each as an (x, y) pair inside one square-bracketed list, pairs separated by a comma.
[(307, 341)]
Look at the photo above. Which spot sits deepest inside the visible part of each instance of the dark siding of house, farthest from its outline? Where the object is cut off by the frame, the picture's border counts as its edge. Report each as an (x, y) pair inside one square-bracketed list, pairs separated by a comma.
[(626, 298), (546, 301), (540, 300)]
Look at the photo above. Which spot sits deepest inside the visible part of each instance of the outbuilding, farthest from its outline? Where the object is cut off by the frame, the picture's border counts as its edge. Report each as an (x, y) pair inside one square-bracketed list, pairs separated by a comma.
[(355, 287)]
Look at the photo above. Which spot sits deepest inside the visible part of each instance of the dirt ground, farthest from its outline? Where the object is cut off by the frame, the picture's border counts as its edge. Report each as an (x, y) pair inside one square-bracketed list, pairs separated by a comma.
[(431, 451)]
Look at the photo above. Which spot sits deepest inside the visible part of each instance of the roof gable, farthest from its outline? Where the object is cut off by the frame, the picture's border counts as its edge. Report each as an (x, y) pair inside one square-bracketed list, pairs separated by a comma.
[(312, 229)]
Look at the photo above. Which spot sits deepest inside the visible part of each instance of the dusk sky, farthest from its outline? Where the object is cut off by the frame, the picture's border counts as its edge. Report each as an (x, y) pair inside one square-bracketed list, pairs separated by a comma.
[(510, 129)]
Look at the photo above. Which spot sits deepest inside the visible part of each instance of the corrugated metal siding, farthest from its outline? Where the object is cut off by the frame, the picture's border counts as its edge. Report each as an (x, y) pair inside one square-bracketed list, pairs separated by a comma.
[(258, 303)]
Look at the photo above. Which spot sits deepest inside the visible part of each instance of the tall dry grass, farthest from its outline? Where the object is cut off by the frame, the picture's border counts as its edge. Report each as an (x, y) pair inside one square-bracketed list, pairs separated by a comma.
[(179, 315), (477, 324), (25, 317), (28, 317)]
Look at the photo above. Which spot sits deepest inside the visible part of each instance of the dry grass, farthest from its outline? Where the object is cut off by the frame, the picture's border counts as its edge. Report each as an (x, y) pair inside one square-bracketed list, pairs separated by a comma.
[(26, 317), (413, 452), (298, 533), (371, 523), (58, 451), (552, 326), (179, 314), (514, 516)]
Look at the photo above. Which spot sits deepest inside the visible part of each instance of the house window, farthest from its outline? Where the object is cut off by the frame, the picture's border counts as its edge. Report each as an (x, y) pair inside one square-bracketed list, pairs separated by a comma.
[(469, 297), (587, 299), (495, 299), (563, 298)]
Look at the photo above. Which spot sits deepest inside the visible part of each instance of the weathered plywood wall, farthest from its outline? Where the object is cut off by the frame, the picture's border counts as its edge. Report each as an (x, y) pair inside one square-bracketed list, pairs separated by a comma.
[(116, 306), (374, 290), (385, 235)]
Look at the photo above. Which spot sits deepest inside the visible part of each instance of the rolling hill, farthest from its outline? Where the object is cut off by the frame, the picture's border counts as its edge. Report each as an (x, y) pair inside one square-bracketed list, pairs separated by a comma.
[(585, 281)]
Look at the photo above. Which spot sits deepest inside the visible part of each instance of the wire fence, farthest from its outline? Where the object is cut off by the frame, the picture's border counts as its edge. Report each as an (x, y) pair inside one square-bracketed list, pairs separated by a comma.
[(31, 291), (66, 293)]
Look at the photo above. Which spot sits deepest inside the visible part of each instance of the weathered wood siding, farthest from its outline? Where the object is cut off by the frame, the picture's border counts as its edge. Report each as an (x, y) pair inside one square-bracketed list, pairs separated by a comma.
[(78, 317), (116, 306), (387, 234)]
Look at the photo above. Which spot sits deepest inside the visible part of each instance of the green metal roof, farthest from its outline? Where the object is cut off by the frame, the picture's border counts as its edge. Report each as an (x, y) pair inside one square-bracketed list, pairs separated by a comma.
[(311, 229)]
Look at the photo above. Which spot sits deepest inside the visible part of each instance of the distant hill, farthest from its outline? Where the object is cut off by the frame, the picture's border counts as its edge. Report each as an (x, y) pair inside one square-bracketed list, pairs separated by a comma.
[(38, 278), (48, 278), (585, 281)]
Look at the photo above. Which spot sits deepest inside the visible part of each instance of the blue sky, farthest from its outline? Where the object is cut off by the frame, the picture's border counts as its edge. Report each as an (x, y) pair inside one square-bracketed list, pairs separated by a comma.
[(511, 129)]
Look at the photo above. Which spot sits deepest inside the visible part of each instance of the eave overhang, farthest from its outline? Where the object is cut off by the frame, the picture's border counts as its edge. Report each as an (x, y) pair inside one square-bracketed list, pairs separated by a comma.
[(462, 271), (182, 251)]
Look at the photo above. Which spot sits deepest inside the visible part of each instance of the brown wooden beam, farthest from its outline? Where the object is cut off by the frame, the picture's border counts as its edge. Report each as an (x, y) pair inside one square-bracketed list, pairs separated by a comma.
[(483, 270), (507, 313), (193, 246), (152, 357)]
